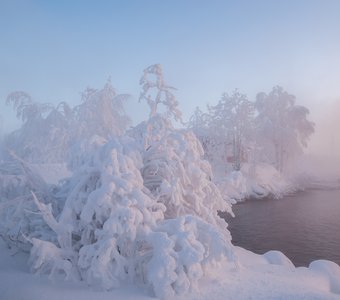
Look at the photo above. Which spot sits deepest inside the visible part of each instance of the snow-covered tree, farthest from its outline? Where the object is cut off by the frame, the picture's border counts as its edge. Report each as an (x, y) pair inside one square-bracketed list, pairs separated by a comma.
[(29, 141), (101, 113), (112, 228), (226, 130), (283, 123), (199, 123), (140, 210), (232, 118), (48, 132), (174, 170)]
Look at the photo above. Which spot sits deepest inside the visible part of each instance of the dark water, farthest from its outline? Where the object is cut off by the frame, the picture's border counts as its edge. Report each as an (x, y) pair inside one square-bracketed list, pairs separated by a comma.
[(305, 227)]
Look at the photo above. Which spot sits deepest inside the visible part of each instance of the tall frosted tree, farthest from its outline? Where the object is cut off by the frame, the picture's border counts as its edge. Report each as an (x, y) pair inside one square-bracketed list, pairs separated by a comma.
[(48, 132), (233, 119), (173, 158), (199, 123), (283, 123), (101, 113)]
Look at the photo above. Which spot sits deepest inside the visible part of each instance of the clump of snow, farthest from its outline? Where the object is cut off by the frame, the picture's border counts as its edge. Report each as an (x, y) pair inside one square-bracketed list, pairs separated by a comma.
[(329, 270), (275, 257)]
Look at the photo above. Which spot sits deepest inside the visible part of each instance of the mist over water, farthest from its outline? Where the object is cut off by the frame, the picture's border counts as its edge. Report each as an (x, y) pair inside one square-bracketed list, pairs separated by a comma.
[(326, 140)]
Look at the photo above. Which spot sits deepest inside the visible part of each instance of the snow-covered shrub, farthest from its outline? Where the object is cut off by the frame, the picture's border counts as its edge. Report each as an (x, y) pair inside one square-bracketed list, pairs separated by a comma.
[(106, 206), (275, 257), (183, 248), (113, 229)]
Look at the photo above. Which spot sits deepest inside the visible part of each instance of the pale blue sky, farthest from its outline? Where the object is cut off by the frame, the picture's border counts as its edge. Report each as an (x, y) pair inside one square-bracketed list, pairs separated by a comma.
[(55, 49)]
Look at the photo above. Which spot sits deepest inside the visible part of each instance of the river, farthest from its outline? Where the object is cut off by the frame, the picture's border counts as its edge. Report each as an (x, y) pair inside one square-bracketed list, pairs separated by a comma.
[(305, 226)]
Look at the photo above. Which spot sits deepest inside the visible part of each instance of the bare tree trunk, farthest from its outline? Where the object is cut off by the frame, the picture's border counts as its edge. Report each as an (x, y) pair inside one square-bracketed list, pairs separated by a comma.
[(236, 152)]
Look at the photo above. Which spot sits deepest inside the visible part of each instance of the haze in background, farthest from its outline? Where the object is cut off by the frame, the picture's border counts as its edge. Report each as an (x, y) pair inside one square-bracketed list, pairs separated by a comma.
[(324, 149), (55, 49)]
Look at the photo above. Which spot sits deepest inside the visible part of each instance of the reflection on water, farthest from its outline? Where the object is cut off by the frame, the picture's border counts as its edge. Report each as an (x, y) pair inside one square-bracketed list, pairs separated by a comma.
[(305, 227)]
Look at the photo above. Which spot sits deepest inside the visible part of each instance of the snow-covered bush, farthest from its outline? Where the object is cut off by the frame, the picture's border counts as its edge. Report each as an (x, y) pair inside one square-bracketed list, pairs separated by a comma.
[(113, 229)]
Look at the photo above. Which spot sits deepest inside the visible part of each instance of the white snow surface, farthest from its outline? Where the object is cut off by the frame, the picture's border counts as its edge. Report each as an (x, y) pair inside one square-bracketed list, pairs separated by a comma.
[(252, 278)]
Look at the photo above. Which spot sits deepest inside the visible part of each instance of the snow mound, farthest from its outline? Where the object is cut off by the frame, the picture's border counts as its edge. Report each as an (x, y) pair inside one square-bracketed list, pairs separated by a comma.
[(275, 257), (330, 270)]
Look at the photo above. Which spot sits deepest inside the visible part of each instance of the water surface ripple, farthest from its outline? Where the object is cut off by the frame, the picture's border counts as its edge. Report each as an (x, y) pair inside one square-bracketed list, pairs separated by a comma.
[(305, 226)]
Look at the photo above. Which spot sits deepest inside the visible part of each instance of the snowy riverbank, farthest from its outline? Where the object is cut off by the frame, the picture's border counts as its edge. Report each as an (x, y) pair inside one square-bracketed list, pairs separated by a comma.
[(269, 276), (254, 182), (265, 181)]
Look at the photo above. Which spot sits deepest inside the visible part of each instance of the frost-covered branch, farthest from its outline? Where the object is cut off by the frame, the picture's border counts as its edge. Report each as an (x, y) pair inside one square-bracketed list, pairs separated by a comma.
[(155, 91)]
